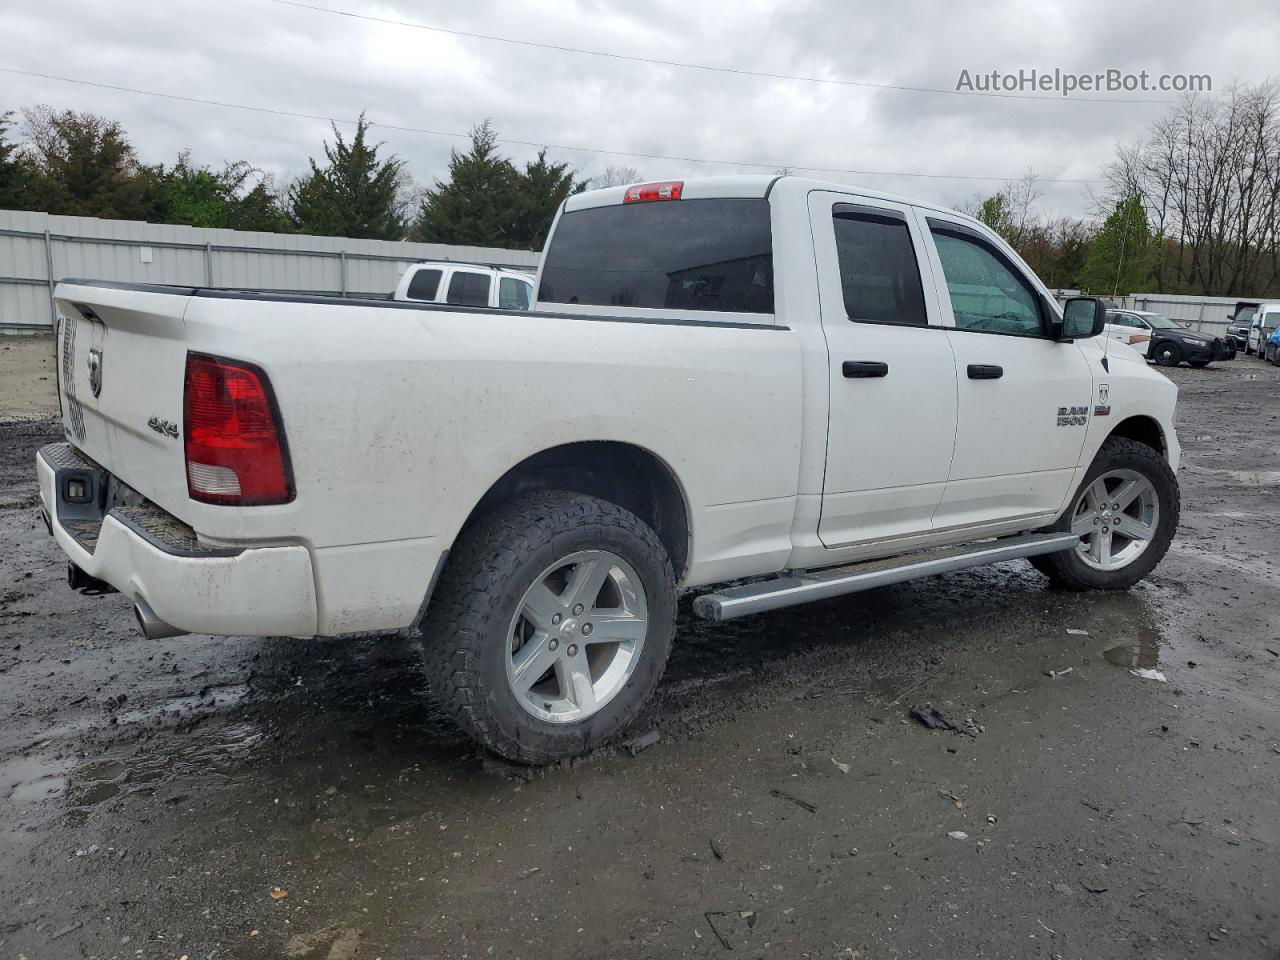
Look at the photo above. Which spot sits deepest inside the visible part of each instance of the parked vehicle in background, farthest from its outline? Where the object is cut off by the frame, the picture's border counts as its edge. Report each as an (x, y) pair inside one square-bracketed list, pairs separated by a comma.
[(466, 285), (1265, 321), (1272, 349), (810, 387), (1172, 343), (1239, 321), (1128, 328)]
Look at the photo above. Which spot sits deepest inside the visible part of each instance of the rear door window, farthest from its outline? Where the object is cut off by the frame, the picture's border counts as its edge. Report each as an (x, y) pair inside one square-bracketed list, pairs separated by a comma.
[(878, 270), (423, 285), (469, 289), (714, 255)]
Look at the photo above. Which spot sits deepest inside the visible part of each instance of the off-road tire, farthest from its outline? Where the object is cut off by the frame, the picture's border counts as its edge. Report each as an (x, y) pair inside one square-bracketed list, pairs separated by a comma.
[(1067, 569), (492, 564), (1167, 354)]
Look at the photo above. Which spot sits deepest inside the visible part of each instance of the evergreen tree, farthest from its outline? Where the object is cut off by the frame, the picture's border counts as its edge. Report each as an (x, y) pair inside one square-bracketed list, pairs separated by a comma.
[(477, 205), (539, 190), (488, 202), (16, 173), (1122, 254), (354, 194)]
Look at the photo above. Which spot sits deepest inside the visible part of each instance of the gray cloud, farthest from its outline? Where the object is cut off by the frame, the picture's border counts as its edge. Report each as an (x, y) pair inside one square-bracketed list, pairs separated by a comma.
[(262, 53)]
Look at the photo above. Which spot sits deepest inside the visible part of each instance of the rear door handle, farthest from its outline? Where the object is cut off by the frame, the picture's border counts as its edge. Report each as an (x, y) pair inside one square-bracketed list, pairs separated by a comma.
[(985, 371), (854, 369)]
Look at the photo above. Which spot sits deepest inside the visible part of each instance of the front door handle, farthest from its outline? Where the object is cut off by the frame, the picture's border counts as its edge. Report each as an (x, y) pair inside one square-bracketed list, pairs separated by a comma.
[(985, 371), (854, 369)]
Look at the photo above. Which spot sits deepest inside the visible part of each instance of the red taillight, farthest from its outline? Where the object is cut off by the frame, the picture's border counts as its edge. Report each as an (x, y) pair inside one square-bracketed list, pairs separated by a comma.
[(647, 192), (234, 440)]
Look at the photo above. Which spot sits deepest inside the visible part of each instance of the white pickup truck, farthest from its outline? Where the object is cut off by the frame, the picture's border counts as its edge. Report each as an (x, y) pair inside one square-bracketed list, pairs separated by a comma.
[(465, 285), (807, 388)]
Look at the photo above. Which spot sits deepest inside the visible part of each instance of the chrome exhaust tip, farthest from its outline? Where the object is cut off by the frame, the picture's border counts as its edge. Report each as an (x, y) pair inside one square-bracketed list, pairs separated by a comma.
[(153, 628)]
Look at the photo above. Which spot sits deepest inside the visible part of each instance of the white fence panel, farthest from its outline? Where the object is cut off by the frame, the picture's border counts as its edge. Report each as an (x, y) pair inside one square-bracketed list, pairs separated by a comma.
[(37, 249)]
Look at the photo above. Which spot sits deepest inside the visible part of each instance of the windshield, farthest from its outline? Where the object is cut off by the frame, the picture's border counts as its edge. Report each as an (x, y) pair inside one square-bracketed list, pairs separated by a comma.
[(1159, 321)]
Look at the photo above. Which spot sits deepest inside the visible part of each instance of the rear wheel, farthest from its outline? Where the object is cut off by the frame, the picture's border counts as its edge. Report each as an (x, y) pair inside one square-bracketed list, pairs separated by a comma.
[(1125, 513), (1198, 364), (1168, 354), (551, 625)]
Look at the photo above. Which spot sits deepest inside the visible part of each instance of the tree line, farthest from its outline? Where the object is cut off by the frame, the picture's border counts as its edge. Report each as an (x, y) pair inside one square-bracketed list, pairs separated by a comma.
[(1191, 206), (82, 164)]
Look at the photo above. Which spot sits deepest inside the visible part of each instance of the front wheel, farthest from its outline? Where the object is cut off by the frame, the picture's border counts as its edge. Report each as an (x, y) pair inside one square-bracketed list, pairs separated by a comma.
[(1168, 354), (1125, 513), (551, 625)]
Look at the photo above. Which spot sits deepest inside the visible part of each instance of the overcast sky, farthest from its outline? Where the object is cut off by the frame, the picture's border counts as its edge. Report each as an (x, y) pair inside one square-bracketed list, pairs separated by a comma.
[(264, 53)]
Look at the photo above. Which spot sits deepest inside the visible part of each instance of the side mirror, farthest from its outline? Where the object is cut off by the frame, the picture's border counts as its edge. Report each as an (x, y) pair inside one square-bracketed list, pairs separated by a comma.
[(1083, 317)]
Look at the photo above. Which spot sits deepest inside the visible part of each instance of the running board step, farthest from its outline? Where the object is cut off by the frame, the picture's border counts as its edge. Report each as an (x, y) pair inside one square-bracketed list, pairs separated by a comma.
[(787, 591)]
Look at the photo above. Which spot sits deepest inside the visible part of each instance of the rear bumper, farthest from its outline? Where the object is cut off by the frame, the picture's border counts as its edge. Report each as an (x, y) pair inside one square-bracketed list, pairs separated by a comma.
[(255, 591)]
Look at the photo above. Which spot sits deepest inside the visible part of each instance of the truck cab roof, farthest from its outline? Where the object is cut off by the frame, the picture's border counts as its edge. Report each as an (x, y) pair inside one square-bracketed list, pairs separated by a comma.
[(744, 186)]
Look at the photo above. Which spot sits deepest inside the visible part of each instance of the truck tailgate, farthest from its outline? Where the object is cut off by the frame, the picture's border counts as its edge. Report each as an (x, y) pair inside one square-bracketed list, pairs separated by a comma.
[(121, 365)]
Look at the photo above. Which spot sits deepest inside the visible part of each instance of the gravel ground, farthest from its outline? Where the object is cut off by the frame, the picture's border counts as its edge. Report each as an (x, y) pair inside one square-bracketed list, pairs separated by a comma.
[(263, 797)]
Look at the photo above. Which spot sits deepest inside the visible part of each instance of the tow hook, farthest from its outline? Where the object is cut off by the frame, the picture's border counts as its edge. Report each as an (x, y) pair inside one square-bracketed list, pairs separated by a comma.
[(77, 579)]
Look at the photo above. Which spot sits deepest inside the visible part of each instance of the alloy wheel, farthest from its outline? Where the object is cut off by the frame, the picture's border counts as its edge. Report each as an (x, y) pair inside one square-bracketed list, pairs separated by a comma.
[(576, 636), (1116, 519)]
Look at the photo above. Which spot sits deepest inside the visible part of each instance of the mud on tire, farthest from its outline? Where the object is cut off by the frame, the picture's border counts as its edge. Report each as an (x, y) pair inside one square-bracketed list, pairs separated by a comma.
[(1068, 569), (468, 627)]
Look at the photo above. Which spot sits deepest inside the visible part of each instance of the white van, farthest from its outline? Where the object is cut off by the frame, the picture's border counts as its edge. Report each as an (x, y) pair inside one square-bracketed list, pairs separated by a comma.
[(466, 285), (1265, 320)]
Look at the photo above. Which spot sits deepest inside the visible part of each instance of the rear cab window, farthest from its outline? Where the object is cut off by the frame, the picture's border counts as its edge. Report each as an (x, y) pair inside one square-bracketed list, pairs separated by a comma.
[(711, 255), (424, 285)]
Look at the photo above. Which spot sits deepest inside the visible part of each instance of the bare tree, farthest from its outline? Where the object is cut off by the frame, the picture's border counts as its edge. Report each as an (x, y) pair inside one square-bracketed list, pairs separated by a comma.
[(616, 177), (1208, 173)]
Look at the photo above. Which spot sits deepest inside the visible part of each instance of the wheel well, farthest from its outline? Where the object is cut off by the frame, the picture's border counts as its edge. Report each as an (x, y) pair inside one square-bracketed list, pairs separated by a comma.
[(621, 473), (1144, 430)]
